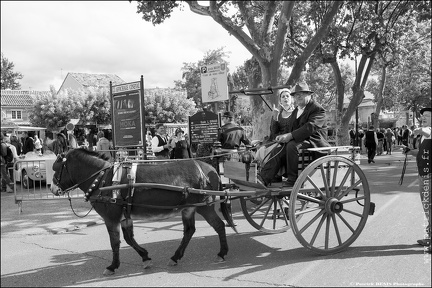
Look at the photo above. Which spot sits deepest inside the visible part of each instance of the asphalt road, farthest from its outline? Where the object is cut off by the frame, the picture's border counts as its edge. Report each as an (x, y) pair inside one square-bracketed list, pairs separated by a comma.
[(47, 245)]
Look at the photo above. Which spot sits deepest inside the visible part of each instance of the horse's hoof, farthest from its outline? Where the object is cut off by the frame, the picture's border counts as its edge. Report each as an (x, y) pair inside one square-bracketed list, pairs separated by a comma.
[(172, 263), (219, 259), (108, 272), (147, 264)]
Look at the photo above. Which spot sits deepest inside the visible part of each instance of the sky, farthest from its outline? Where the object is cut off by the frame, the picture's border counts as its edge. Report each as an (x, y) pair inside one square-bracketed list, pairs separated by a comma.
[(47, 39)]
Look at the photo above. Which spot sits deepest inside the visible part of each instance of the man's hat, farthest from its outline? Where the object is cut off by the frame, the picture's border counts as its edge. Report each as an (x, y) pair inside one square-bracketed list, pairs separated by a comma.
[(301, 87), (178, 130), (228, 114), (425, 109)]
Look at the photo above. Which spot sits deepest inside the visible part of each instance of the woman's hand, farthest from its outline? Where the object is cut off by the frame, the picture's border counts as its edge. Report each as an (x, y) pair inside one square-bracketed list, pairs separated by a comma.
[(284, 138), (275, 112)]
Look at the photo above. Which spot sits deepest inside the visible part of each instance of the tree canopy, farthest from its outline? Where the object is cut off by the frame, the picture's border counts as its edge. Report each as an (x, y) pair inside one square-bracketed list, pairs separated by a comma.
[(9, 78)]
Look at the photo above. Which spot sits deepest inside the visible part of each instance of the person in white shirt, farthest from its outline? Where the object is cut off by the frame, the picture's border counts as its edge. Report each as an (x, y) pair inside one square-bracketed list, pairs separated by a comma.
[(160, 142)]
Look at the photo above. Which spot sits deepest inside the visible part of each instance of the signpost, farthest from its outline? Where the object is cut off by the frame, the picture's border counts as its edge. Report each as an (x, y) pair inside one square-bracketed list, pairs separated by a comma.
[(214, 83), (203, 127), (127, 103)]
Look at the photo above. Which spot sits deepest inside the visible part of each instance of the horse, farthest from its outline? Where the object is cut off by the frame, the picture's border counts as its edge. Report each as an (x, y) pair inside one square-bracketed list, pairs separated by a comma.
[(72, 169)]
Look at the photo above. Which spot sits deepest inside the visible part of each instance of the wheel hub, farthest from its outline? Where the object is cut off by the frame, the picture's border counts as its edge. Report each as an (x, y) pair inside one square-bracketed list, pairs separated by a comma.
[(333, 205)]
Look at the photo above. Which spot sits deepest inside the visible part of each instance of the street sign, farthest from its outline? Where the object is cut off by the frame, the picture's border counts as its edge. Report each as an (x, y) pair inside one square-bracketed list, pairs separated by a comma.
[(127, 102), (214, 83), (203, 127)]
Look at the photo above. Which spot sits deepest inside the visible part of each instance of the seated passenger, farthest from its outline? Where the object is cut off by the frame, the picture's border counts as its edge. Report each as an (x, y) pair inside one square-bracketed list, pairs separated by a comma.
[(305, 128)]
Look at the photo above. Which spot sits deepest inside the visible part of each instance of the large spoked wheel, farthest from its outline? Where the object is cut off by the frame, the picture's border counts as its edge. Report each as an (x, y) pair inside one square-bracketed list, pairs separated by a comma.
[(269, 213), (337, 199)]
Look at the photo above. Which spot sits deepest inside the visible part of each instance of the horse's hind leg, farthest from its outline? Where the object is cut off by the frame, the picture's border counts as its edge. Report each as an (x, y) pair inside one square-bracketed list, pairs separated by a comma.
[(127, 228), (218, 225), (188, 218)]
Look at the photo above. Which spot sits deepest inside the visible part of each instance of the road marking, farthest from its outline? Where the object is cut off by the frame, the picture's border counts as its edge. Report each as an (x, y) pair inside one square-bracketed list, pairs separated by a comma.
[(414, 183)]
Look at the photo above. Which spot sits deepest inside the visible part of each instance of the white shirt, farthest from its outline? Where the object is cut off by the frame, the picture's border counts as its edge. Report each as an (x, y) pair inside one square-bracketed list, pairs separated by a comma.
[(155, 143), (299, 111)]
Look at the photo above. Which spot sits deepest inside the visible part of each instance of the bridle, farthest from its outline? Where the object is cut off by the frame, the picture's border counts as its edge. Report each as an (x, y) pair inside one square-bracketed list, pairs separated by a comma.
[(100, 172)]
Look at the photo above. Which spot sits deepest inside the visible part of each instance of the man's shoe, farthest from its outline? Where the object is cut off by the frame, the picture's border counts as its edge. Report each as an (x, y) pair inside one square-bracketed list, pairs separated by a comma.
[(424, 242), (288, 183)]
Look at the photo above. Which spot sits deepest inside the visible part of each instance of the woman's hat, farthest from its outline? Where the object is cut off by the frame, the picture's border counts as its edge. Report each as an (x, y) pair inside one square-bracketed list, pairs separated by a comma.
[(425, 109), (178, 130), (301, 87)]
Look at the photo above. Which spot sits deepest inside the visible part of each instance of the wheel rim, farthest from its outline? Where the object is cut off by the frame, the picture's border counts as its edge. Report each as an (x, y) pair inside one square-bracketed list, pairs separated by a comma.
[(269, 216), (338, 199)]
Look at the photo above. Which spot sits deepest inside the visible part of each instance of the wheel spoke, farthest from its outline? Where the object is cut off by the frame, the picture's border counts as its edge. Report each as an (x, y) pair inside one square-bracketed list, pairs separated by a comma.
[(258, 207), (327, 234), (349, 171), (353, 199), (336, 229), (317, 189), (335, 172), (349, 189), (352, 212), (283, 211), (317, 229), (266, 214), (307, 211), (325, 181), (346, 222), (309, 198), (311, 221)]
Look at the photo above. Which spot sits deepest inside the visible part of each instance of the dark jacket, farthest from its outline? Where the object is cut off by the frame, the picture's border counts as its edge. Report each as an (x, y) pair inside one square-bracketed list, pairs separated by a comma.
[(231, 136), (311, 126)]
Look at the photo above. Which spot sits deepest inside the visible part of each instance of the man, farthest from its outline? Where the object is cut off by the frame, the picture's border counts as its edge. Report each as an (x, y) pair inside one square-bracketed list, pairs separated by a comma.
[(424, 167), (306, 128), (230, 134), (6, 183), (28, 142), (160, 146)]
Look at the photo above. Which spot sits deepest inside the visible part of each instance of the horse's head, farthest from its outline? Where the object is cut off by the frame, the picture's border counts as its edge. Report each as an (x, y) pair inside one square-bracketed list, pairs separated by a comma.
[(60, 169), (76, 167)]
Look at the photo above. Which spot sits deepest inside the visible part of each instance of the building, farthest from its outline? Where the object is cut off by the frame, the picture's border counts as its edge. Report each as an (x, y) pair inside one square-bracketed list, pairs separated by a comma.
[(16, 105), (76, 81)]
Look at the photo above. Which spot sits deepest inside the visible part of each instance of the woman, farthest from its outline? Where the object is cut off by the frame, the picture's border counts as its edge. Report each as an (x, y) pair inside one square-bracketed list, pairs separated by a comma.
[(371, 143), (37, 144), (380, 136), (280, 114), (180, 145)]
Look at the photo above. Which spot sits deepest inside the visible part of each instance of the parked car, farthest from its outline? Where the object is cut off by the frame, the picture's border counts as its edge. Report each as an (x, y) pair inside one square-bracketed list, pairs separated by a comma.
[(32, 167)]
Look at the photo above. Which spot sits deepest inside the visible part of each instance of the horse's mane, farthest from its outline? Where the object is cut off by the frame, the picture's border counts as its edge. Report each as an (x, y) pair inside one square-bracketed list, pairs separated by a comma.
[(91, 153)]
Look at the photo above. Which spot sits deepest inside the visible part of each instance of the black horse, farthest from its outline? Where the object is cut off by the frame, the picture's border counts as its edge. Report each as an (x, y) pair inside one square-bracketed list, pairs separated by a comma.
[(90, 171)]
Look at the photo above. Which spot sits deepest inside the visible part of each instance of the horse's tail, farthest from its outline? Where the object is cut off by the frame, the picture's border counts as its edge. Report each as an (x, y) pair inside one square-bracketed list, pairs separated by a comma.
[(210, 178)]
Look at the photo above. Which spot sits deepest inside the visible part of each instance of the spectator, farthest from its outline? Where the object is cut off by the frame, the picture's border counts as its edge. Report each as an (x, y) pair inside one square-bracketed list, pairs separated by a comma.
[(180, 145), (37, 144), (389, 136), (7, 184), (103, 145), (380, 137), (18, 146), (160, 146), (28, 142), (371, 143)]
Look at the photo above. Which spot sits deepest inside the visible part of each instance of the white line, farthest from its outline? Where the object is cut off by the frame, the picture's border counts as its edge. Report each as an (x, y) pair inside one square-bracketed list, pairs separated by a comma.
[(414, 183)]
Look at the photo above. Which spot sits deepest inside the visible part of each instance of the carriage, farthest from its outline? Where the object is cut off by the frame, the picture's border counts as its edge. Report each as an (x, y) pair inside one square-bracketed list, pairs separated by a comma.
[(327, 208)]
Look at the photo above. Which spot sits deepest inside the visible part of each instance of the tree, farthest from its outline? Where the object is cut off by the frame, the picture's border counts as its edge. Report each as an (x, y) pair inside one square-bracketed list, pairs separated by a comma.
[(57, 108), (267, 24), (167, 106), (9, 78)]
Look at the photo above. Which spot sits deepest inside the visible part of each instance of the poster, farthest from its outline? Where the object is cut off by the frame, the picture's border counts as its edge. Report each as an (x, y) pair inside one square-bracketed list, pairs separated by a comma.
[(127, 115), (214, 82), (203, 127)]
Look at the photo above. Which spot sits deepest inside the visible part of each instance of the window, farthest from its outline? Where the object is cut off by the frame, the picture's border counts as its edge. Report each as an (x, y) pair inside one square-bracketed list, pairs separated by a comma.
[(16, 115)]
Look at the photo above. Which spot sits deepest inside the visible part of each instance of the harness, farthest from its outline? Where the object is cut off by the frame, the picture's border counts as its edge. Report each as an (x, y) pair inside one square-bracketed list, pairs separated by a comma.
[(126, 202)]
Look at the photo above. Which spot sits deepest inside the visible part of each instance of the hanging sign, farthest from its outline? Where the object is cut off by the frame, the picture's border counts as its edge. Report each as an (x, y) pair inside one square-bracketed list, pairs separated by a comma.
[(214, 83)]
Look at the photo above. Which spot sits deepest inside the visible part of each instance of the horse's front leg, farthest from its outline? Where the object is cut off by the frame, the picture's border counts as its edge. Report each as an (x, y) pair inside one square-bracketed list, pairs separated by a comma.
[(114, 234), (188, 218), (127, 228), (218, 225)]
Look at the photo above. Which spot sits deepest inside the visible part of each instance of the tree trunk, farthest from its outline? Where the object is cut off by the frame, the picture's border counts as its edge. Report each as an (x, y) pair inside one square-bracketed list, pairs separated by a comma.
[(380, 95)]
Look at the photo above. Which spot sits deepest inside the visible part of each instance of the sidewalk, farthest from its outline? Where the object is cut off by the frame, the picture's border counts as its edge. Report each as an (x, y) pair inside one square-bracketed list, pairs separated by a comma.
[(56, 216)]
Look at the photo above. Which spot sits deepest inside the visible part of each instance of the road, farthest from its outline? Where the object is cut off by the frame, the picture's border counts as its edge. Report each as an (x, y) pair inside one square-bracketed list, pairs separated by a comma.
[(385, 254)]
